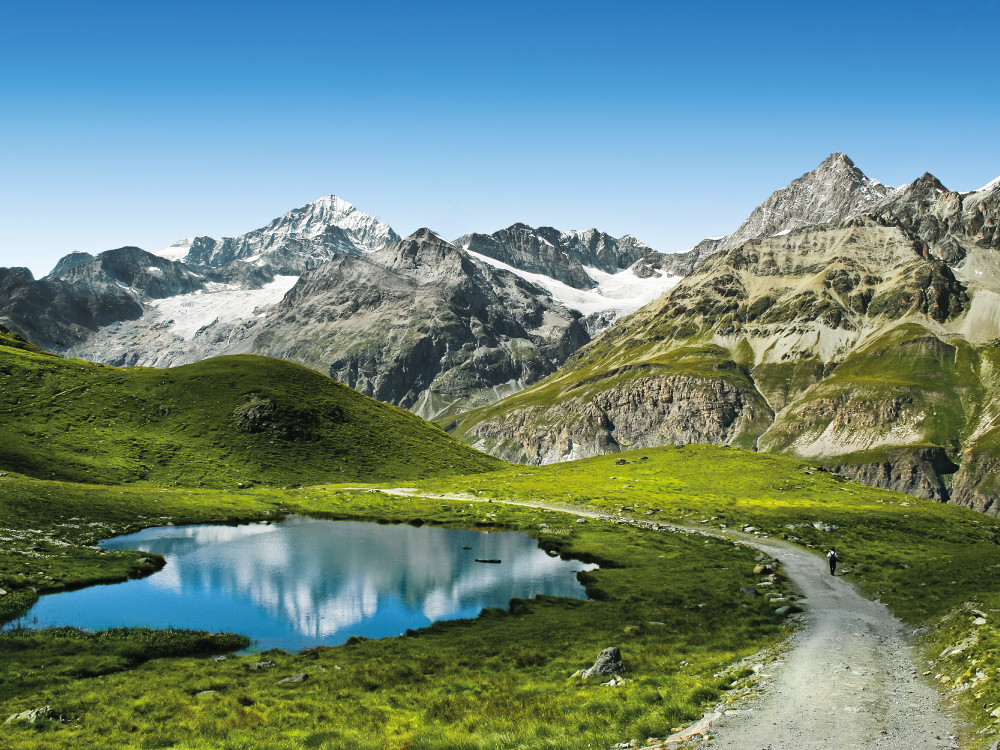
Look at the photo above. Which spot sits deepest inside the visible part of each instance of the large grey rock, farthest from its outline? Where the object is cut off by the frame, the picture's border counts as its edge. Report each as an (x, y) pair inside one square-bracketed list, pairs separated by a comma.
[(609, 662)]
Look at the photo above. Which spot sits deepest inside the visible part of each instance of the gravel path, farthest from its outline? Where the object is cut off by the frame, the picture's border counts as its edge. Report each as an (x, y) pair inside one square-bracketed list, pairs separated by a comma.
[(848, 681)]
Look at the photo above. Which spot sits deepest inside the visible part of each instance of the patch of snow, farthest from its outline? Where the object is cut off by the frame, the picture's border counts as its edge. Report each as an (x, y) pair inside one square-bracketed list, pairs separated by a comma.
[(155, 270), (178, 251), (622, 292), (192, 312), (251, 258), (781, 233), (989, 186)]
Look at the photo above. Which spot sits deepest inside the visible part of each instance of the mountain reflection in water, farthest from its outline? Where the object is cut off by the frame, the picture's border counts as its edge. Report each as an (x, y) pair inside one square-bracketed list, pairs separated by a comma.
[(307, 582)]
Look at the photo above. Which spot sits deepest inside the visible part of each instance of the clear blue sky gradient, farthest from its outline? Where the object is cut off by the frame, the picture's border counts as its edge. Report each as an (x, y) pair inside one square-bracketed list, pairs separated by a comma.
[(144, 122)]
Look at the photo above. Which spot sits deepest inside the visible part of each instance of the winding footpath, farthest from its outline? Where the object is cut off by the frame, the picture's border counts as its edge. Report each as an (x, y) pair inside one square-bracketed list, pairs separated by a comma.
[(848, 680)]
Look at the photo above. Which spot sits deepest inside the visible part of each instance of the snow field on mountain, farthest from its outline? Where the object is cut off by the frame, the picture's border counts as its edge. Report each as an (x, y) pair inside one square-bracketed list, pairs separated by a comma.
[(192, 312), (623, 292)]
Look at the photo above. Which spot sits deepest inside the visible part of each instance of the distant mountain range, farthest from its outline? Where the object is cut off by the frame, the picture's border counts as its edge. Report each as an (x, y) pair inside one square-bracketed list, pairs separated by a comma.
[(844, 321), (422, 323)]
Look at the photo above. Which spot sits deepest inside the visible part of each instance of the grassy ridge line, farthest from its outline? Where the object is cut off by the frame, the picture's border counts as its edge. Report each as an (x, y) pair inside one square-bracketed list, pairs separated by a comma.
[(497, 681), (219, 423)]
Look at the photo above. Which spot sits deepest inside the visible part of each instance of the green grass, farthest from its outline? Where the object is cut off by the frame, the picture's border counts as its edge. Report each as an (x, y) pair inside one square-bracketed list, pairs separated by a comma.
[(91, 451), (218, 423), (502, 680)]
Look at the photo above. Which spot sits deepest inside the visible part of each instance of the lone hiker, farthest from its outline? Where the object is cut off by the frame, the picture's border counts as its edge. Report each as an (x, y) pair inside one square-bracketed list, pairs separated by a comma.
[(832, 557)]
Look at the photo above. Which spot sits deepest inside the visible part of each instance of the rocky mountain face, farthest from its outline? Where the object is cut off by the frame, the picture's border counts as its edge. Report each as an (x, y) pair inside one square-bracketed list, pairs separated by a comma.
[(423, 325), (558, 255), (302, 239), (867, 344), (833, 191)]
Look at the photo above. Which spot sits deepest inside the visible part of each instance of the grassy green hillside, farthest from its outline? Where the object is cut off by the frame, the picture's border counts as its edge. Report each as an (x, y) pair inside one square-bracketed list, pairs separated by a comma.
[(500, 680), (217, 423)]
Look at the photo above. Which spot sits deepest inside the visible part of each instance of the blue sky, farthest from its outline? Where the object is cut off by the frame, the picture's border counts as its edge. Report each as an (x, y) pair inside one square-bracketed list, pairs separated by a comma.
[(142, 123)]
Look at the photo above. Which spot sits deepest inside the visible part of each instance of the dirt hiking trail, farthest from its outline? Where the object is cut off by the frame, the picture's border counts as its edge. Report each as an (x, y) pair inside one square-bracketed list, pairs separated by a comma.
[(848, 680)]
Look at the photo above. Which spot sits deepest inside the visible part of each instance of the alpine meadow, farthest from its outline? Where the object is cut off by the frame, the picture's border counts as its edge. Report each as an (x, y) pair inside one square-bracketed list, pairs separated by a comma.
[(535, 376)]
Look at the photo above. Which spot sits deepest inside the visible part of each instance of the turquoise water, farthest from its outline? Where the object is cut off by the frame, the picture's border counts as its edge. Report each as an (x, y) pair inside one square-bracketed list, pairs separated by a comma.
[(308, 582)]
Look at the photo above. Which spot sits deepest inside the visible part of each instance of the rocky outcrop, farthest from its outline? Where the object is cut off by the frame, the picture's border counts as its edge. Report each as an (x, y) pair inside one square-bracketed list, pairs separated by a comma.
[(641, 412), (920, 472), (977, 482)]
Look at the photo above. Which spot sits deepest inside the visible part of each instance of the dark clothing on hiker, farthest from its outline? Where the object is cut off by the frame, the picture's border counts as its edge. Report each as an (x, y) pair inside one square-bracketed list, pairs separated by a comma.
[(832, 556)]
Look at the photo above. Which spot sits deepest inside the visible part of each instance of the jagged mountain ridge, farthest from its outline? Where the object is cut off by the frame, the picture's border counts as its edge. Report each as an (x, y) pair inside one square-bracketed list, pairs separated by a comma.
[(245, 288), (836, 189), (563, 256), (853, 343), (301, 239), (423, 325)]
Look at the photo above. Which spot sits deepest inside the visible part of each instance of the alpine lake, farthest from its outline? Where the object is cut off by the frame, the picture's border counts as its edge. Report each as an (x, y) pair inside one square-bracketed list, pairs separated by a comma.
[(305, 582)]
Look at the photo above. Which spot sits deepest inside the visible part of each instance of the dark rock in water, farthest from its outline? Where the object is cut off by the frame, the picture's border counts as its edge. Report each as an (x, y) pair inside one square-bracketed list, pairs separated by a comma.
[(609, 662), (293, 678), (484, 560), (749, 591)]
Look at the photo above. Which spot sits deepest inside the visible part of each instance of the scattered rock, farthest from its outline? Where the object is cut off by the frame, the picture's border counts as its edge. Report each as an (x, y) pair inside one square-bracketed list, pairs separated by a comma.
[(609, 662), (631, 629), (3, 593), (219, 658), (581, 520), (208, 692), (32, 715), (749, 591), (262, 665), (293, 678)]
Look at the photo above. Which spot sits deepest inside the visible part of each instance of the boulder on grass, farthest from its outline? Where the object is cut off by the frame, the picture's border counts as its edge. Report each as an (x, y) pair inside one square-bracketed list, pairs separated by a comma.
[(609, 662)]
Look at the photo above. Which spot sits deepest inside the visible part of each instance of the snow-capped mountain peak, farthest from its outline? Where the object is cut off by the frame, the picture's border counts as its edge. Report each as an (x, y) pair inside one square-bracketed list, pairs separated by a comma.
[(301, 239)]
